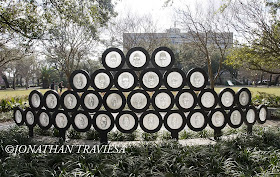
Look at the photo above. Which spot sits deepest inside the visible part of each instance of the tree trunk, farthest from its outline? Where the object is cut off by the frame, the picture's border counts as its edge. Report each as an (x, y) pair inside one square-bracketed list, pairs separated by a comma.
[(14, 83), (7, 85), (20, 81), (68, 79), (210, 73), (26, 83)]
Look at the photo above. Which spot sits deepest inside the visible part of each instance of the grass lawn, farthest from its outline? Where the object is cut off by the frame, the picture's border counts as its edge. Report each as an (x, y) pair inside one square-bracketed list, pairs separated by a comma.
[(20, 92), (255, 90), (23, 92)]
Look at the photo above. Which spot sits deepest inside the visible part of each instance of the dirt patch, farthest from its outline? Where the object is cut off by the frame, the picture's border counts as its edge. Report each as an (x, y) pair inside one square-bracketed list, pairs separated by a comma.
[(271, 123)]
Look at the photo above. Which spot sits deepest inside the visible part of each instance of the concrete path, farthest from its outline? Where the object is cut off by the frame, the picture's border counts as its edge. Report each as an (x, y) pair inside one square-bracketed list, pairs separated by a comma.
[(7, 125)]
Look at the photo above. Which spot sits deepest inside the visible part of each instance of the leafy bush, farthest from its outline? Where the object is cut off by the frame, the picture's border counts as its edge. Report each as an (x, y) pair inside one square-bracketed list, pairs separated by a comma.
[(41, 132), (73, 134), (166, 135), (92, 135), (267, 99), (149, 136), (119, 136), (256, 155), (6, 116), (8, 104)]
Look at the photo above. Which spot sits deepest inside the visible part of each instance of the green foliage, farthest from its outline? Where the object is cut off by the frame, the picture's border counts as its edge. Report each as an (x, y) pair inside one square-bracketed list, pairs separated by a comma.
[(92, 135), (24, 18), (73, 134), (55, 132), (6, 116), (187, 134), (252, 58), (205, 133), (119, 136), (8, 104), (166, 135), (262, 50), (41, 132), (149, 136), (267, 99), (255, 155)]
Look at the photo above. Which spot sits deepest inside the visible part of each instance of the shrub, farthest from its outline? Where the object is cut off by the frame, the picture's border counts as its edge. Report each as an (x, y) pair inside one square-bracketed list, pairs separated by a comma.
[(149, 136), (8, 104), (73, 134), (119, 136), (267, 99), (92, 135)]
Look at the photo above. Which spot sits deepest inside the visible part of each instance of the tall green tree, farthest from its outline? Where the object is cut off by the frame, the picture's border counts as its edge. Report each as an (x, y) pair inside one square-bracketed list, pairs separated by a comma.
[(259, 24), (33, 19)]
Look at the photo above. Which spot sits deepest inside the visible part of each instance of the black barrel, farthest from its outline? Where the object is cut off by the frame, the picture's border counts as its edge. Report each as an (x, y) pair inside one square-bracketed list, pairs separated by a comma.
[(125, 80), (235, 117), (18, 116), (91, 101), (30, 117), (197, 119), (174, 79), (102, 80), (163, 58), (137, 58), (174, 121), (61, 120), (114, 101), (227, 98), (243, 98), (207, 99), (35, 99), (51, 100), (217, 118), (70, 100), (138, 100), (150, 79), (151, 121), (44, 120), (126, 121), (197, 79), (103, 121), (79, 80), (263, 114), (163, 100), (113, 59), (186, 100), (81, 121)]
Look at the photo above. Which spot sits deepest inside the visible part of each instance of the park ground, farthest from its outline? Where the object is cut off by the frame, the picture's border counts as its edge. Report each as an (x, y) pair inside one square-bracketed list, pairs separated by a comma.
[(25, 92)]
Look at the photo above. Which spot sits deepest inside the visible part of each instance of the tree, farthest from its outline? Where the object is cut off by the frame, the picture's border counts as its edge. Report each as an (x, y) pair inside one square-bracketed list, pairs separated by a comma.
[(33, 19), (132, 30), (25, 23), (71, 44), (258, 23), (207, 33)]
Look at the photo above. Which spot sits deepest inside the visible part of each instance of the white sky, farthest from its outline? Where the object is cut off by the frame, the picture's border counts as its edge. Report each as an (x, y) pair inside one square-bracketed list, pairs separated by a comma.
[(163, 16)]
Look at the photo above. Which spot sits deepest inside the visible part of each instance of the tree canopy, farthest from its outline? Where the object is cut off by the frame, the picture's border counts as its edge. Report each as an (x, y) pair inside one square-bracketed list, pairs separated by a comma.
[(262, 48), (33, 18)]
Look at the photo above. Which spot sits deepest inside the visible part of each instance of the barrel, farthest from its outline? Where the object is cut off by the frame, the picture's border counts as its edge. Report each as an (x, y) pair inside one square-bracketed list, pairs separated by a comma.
[(113, 59), (137, 58), (163, 58)]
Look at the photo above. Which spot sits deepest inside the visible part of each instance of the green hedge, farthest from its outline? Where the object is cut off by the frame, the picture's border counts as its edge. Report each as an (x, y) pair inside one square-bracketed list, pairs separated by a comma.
[(267, 99), (8, 104), (256, 155)]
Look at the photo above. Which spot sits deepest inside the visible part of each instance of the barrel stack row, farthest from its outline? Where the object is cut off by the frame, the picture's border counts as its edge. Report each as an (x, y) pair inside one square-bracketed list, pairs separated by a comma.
[(140, 90)]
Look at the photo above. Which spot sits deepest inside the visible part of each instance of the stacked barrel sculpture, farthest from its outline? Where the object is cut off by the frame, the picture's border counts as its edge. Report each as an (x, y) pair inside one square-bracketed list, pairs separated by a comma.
[(139, 90)]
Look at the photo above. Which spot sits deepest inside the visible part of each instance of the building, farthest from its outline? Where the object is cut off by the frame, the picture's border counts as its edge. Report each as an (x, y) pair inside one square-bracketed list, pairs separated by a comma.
[(174, 37)]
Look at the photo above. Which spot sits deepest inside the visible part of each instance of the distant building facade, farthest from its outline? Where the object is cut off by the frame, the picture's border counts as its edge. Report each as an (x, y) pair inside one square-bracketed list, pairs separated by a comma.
[(173, 36)]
